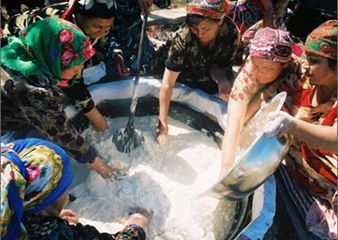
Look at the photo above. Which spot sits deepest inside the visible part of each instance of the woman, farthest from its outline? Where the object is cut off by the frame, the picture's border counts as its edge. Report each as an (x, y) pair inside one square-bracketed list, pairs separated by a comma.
[(36, 67), (200, 55), (312, 120), (249, 12), (271, 67), (35, 175)]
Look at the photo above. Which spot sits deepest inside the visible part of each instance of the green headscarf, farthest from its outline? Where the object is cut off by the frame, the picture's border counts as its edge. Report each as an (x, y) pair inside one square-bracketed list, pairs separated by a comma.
[(47, 47)]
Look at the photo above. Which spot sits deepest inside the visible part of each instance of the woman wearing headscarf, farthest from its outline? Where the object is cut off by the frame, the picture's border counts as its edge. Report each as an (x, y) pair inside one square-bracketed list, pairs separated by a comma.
[(35, 175), (272, 67), (311, 119), (200, 55), (36, 67), (96, 18)]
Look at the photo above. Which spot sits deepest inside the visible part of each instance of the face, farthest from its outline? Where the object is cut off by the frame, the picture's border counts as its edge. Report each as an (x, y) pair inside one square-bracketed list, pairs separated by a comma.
[(69, 73), (95, 27), (206, 31), (266, 71), (320, 73)]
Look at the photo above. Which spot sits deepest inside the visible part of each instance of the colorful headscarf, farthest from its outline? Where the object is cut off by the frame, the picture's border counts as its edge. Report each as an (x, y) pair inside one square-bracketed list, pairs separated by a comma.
[(47, 47), (273, 44), (323, 40), (215, 9), (34, 174), (97, 8)]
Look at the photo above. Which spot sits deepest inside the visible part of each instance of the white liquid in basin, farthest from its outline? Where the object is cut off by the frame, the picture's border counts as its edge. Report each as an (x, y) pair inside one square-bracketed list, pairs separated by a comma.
[(160, 180)]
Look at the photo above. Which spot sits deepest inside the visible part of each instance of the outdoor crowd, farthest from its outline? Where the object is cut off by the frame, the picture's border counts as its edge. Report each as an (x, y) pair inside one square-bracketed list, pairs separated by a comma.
[(51, 53)]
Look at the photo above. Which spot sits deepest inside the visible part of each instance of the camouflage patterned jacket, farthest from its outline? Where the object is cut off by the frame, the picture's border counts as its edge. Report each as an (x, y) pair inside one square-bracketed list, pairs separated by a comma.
[(187, 56)]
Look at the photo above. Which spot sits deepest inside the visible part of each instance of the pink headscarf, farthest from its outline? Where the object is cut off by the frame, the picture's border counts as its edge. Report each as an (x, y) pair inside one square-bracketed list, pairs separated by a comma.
[(273, 44)]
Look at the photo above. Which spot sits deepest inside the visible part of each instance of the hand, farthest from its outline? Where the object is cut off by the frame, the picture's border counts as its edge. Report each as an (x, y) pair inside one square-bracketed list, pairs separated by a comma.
[(161, 129), (224, 89), (69, 216), (280, 122), (105, 171), (145, 6), (122, 70)]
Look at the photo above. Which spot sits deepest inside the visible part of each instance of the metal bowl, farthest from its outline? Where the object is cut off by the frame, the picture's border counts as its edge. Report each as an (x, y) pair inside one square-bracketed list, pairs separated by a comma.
[(261, 156)]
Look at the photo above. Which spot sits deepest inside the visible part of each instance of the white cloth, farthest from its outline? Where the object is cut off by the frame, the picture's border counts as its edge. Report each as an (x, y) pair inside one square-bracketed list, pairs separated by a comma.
[(94, 74)]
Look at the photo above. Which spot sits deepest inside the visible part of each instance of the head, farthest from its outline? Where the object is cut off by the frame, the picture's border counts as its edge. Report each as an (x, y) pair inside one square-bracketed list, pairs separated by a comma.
[(205, 29), (321, 52), (35, 179), (204, 18), (48, 47), (270, 52), (95, 17)]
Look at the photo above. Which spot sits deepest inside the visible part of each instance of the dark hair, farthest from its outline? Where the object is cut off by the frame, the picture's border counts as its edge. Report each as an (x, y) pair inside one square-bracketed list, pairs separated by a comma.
[(332, 64), (192, 20), (98, 10)]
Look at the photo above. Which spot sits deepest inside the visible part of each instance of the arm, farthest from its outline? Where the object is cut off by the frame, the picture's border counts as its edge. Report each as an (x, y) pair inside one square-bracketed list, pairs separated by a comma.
[(268, 13), (235, 121), (316, 136), (238, 115), (168, 83), (81, 99)]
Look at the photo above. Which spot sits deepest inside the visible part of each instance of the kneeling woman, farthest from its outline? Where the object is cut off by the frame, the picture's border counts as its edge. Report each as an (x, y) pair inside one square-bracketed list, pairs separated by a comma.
[(35, 175), (36, 67)]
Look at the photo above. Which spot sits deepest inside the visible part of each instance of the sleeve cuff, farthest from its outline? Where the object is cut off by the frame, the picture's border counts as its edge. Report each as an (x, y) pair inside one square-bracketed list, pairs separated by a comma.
[(173, 67), (140, 230), (89, 157)]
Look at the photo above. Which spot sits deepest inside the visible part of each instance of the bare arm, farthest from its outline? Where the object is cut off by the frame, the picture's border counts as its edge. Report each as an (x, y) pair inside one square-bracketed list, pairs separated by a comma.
[(268, 13), (236, 117), (168, 83), (316, 136), (99, 122)]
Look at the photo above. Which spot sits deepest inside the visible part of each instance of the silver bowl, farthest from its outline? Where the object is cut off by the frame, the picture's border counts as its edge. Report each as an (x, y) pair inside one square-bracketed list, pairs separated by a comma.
[(261, 156)]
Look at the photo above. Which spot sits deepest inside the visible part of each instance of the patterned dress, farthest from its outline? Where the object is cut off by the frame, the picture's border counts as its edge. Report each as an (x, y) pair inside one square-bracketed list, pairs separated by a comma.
[(45, 228), (186, 55), (25, 104)]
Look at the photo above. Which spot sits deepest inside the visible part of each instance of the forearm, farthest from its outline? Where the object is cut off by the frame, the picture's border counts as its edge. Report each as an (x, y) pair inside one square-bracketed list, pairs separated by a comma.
[(235, 119), (165, 98), (166, 91), (316, 136)]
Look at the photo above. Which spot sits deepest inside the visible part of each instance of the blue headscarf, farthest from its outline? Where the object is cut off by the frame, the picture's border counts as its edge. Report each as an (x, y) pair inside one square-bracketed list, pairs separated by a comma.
[(34, 174)]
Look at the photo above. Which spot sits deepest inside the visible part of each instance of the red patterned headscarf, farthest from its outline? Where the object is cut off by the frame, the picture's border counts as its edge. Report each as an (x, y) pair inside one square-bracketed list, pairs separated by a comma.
[(323, 40), (215, 9), (273, 44)]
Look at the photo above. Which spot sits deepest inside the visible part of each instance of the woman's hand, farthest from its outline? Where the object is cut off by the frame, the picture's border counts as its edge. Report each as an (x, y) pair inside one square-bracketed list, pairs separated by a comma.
[(105, 171), (161, 130), (122, 70), (224, 89), (69, 216), (280, 122), (98, 121)]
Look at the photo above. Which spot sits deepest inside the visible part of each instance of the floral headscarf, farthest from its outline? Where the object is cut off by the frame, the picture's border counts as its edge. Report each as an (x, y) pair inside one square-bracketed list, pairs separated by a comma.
[(47, 47), (323, 40), (215, 9), (273, 44), (34, 174)]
